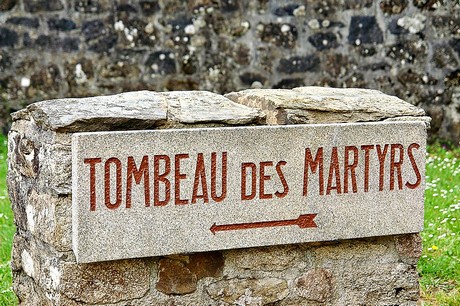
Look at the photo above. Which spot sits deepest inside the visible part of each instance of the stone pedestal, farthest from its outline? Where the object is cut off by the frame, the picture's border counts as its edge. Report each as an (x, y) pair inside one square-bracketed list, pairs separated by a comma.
[(371, 271)]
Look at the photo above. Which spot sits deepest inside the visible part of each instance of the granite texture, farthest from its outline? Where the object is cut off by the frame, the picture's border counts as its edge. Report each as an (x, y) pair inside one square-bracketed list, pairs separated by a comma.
[(343, 194)]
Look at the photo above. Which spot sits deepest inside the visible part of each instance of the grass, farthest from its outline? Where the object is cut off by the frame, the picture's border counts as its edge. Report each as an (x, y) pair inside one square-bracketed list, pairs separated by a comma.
[(439, 265), (7, 229)]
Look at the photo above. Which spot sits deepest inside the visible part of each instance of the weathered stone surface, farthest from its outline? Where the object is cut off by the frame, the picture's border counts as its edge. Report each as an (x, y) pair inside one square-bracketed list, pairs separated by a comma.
[(206, 107), (34, 6), (24, 21), (364, 30), (175, 278), (298, 64), (8, 38), (137, 110), (393, 6), (128, 110), (162, 62), (414, 24), (360, 251), (380, 283), (7, 5), (282, 35), (61, 24), (249, 291), (324, 105), (208, 264), (324, 41), (315, 285), (179, 274), (274, 258), (409, 247), (96, 203), (106, 282)]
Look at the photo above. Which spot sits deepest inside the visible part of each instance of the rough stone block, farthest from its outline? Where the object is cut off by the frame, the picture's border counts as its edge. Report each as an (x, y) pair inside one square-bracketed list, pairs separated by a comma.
[(137, 110), (106, 282), (249, 291), (409, 247), (175, 278), (324, 105), (275, 258), (316, 285)]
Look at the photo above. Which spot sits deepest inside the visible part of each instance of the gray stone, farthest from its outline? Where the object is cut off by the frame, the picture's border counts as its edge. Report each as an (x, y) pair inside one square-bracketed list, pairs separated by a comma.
[(409, 247), (207, 107), (190, 215), (136, 110), (276, 258), (315, 285), (324, 105), (127, 110), (175, 278), (414, 24), (376, 283), (249, 291), (106, 282)]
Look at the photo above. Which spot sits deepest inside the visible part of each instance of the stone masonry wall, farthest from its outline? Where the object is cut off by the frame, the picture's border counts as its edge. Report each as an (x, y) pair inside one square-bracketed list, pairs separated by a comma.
[(372, 271), (76, 48)]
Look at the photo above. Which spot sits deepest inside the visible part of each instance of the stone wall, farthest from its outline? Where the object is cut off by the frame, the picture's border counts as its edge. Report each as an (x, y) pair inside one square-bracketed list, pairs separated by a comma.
[(371, 271), (73, 48)]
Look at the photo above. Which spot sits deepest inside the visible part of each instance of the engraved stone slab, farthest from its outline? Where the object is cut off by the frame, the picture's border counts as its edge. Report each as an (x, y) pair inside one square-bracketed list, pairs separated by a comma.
[(150, 193)]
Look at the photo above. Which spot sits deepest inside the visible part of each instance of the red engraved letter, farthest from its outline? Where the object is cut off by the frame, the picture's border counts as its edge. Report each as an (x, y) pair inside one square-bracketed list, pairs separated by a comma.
[(253, 167), (414, 166), (263, 178), (314, 165), (214, 179), (366, 149), (396, 165), (92, 181), (350, 168), (382, 155), (283, 180), (142, 172), (200, 175), (177, 177), (334, 173), (117, 163), (157, 178)]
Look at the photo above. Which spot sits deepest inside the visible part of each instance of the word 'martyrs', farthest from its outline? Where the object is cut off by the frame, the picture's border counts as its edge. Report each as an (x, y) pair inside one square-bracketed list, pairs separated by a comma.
[(341, 175)]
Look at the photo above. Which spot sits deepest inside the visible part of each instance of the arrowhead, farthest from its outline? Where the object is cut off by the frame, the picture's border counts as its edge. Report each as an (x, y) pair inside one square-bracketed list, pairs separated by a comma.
[(213, 228), (305, 221)]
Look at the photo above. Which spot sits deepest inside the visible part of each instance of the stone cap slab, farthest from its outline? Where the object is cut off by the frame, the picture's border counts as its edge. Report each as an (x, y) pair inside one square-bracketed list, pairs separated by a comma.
[(325, 105), (137, 110)]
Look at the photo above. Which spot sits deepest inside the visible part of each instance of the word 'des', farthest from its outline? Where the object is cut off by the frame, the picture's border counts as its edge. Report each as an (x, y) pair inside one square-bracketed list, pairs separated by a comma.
[(209, 189)]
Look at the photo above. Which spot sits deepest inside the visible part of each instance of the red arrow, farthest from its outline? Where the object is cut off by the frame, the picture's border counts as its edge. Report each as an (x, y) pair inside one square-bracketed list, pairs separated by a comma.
[(303, 221)]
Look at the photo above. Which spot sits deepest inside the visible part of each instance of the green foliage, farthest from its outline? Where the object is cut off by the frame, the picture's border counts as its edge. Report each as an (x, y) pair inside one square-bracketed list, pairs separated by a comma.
[(440, 261)]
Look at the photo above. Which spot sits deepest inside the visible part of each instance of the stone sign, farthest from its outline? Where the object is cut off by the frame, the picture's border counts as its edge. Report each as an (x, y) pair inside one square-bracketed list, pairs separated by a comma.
[(150, 193)]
